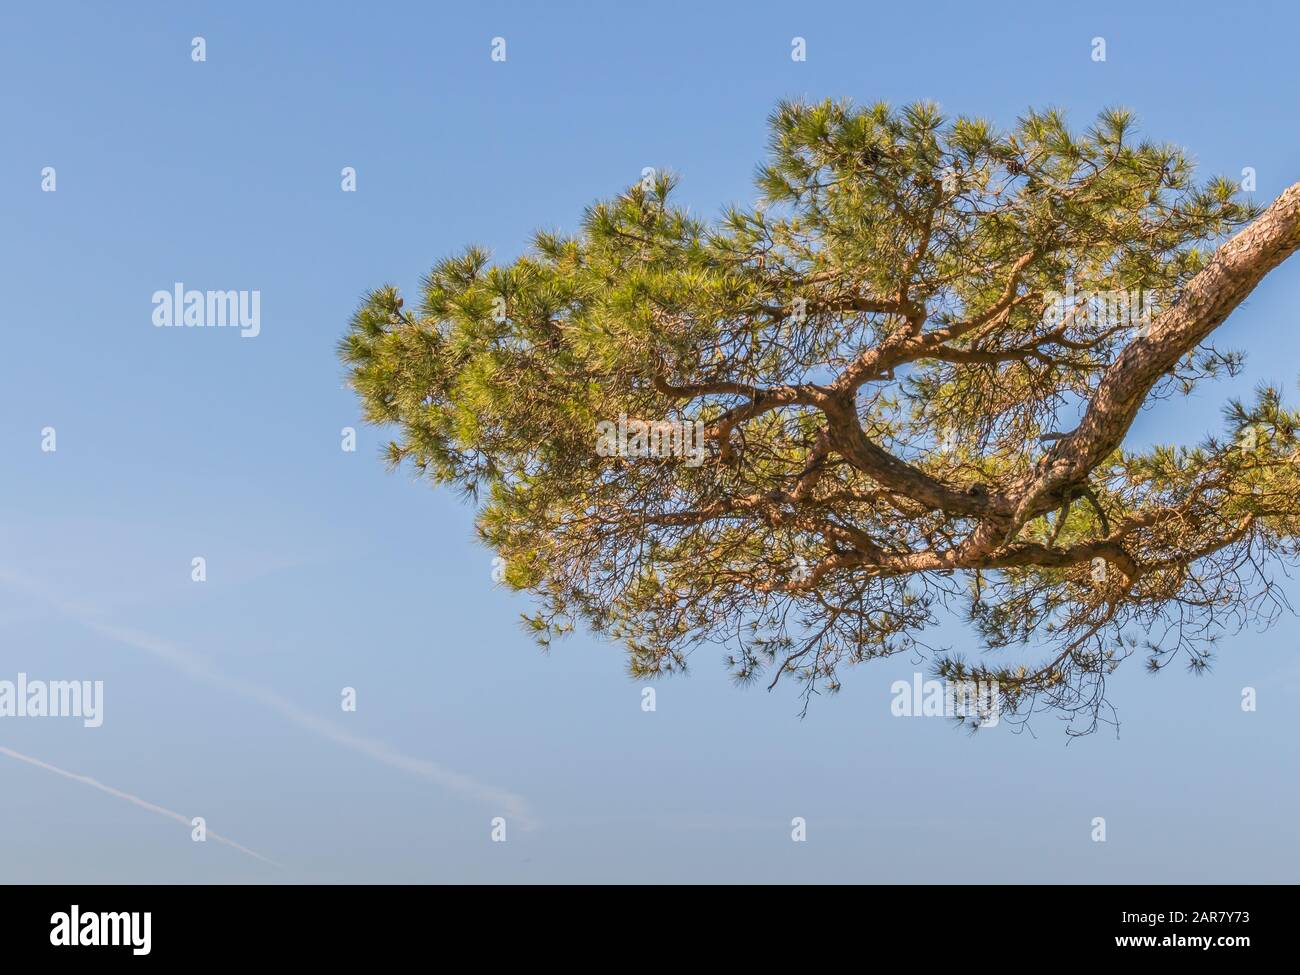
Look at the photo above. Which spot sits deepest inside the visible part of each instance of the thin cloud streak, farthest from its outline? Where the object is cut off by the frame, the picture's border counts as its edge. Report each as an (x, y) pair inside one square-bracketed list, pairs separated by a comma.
[(134, 800), (187, 661), (197, 667)]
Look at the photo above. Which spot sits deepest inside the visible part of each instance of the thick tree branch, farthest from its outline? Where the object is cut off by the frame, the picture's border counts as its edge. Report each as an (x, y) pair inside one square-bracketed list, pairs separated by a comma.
[(1238, 266)]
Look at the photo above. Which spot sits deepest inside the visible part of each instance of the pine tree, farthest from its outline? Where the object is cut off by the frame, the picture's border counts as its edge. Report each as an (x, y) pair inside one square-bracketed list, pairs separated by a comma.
[(914, 366)]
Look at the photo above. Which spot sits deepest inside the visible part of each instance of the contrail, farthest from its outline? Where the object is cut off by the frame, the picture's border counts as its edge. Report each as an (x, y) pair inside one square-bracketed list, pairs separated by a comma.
[(197, 667), (134, 800), (194, 665)]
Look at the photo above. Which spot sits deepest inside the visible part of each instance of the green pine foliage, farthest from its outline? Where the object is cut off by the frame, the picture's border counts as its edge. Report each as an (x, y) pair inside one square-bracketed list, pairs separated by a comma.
[(907, 263)]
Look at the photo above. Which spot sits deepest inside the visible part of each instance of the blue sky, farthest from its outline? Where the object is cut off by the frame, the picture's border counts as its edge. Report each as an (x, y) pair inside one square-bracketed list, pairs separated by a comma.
[(325, 570)]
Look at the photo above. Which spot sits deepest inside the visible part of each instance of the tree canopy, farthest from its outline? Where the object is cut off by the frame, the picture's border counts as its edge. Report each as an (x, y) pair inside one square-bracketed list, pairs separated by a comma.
[(912, 364)]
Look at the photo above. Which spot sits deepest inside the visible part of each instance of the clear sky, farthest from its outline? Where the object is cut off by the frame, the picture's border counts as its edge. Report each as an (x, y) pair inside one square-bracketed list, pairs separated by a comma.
[(222, 698)]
